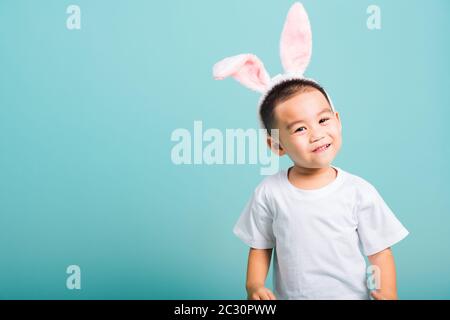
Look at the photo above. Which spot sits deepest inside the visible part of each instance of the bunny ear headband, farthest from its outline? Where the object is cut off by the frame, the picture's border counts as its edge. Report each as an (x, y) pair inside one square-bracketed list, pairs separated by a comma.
[(295, 53)]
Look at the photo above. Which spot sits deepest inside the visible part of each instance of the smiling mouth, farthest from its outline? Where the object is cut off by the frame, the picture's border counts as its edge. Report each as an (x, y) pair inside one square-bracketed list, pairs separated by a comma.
[(322, 148)]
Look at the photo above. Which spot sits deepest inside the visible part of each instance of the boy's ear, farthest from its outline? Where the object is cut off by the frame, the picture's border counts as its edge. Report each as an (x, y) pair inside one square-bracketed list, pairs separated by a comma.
[(339, 120), (275, 146)]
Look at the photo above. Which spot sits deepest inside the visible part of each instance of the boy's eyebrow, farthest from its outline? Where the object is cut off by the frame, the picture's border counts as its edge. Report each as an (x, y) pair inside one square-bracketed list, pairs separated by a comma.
[(289, 126)]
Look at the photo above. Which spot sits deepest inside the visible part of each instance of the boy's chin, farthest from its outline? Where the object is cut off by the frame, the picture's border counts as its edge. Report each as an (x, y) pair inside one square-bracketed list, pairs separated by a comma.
[(320, 163), (315, 165)]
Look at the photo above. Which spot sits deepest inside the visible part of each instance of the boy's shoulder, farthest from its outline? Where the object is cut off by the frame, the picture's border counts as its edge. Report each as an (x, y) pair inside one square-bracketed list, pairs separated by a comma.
[(357, 180), (267, 189), (270, 182), (362, 186)]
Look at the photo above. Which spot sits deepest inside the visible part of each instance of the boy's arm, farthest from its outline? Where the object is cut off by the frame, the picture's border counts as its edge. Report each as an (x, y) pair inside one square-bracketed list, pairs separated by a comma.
[(257, 269), (388, 287)]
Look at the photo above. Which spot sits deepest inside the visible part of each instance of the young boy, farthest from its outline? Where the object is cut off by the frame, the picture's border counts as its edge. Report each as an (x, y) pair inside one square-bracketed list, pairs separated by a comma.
[(318, 219), (316, 216)]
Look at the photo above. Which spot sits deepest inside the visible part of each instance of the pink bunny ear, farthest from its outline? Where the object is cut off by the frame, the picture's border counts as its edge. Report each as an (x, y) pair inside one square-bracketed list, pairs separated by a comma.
[(245, 68), (296, 42)]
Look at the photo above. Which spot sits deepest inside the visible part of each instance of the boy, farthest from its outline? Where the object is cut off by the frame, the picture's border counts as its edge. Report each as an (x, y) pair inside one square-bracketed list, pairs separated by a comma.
[(318, 219)]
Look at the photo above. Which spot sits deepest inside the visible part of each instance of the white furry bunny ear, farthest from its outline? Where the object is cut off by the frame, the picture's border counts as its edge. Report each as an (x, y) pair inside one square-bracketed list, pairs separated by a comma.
[(296, 41), (245, 68)]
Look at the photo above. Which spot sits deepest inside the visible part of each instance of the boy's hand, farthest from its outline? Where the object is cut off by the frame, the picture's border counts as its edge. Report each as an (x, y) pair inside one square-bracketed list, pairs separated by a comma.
[(377, 295), (260, 293)]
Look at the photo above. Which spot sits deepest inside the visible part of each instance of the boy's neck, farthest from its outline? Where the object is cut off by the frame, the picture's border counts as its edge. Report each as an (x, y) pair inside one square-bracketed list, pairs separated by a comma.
[(311, 178)]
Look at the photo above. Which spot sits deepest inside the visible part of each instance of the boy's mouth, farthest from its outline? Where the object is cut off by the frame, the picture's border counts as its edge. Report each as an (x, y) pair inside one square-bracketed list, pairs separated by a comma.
[(322, 148)]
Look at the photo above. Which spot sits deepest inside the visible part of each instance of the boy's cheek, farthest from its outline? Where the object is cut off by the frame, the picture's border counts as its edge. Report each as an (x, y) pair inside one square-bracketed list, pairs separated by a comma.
[(298, 153), (337, 145)]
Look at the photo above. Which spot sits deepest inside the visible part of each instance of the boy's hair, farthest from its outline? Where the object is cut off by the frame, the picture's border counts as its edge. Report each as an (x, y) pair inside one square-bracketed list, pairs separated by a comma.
[(282, 92)]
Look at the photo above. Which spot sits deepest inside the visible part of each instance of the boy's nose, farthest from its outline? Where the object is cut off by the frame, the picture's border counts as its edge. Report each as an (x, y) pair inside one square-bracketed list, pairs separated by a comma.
[(316, 135), (314, 141)]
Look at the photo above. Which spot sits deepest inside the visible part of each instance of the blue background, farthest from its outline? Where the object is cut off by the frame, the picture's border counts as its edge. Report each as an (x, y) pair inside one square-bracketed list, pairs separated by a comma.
[(86, 116)]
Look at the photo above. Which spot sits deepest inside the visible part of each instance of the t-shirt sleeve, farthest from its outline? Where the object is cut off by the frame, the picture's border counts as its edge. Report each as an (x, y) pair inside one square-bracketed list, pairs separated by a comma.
[(378, 227), (254, 226)]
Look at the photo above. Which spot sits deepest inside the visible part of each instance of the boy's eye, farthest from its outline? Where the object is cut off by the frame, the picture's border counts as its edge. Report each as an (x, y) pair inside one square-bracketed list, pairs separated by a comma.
[(320, 121)]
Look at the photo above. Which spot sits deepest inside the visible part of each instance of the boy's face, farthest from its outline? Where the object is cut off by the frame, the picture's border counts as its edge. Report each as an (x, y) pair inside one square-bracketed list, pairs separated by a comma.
[(306, 122)]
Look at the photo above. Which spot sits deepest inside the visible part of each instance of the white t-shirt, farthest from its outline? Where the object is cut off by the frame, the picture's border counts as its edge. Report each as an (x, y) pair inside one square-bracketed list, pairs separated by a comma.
[(319, 235)]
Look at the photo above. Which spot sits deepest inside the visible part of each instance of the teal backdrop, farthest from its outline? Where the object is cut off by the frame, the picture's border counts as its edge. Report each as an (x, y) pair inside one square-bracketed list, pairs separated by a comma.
[(86, 117)]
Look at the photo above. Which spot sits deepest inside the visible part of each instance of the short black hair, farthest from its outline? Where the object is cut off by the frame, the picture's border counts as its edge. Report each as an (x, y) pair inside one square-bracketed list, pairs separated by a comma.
[(282, 92)]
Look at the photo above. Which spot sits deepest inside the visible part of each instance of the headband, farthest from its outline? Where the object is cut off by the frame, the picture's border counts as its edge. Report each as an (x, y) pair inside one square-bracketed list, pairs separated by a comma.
[(295, 54)]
